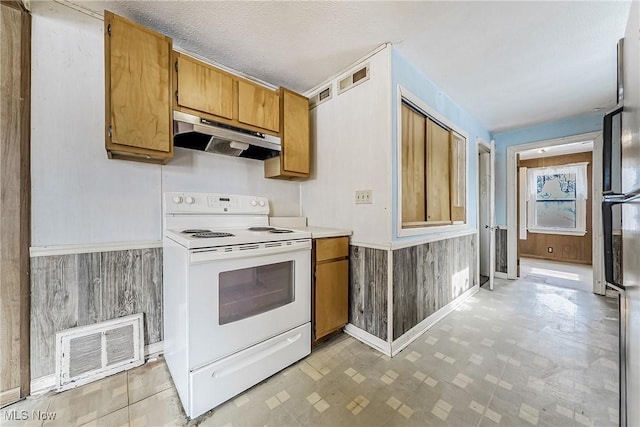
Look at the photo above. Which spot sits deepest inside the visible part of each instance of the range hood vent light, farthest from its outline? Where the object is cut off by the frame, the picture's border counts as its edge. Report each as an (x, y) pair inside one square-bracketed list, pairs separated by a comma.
[(201, 134)]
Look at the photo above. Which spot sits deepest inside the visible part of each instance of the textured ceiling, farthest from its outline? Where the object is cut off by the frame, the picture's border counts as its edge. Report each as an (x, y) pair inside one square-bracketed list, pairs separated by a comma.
[(509, 64)]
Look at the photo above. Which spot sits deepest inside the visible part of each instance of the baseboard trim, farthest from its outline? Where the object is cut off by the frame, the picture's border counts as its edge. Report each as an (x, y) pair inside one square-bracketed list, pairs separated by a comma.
[(153, 350), (414, 333), (43, 384), (368, 339), (9, 396), (48, 382)]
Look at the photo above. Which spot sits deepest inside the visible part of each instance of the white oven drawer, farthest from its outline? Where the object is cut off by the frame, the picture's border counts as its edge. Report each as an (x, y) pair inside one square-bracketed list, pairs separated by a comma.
[(218, 382)]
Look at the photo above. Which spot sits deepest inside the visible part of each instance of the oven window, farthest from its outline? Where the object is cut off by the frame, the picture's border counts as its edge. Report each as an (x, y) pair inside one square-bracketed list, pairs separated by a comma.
[(250, 291)]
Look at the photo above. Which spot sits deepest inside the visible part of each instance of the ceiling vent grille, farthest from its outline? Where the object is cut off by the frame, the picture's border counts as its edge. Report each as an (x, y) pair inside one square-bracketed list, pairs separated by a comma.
[(354, 79), (323, 95), (88, 353)]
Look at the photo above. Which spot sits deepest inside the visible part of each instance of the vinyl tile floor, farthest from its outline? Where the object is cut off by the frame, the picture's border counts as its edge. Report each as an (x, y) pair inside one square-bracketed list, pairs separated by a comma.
[(563, 274), (525, 354)]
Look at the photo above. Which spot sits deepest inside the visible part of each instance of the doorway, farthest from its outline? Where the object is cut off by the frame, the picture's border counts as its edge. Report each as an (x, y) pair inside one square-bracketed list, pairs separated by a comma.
[(529, 165), (486, 213)]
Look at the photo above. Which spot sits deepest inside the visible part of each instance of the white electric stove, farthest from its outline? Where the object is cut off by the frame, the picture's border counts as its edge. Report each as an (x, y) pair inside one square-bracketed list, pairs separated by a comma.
[(237, 296)]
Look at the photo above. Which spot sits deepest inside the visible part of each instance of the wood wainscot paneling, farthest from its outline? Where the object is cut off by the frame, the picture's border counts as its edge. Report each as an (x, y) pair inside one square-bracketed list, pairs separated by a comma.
[(501, 250), (15, 203), (368, 284), (617, 258), (429, 276), (576, 249), (82, 289)]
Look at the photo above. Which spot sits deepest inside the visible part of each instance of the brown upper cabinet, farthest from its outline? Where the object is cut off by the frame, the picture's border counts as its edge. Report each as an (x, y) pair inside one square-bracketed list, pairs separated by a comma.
[(212, 93), (137, 92), (295, 158), (258, 106), (202, 88)]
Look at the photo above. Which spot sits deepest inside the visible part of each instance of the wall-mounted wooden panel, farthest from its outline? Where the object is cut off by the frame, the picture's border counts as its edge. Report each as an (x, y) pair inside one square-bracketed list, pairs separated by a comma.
[(575, 249), (368, 290), (427, 277), (15, 45), (617, 258), (89, 288)]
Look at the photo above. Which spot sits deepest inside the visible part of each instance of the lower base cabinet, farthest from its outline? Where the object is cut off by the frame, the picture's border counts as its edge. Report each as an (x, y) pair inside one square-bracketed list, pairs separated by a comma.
[(330, 286)]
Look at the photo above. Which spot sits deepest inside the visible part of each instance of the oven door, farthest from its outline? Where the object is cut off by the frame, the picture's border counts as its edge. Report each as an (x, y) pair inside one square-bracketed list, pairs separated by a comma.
[(242, 297)]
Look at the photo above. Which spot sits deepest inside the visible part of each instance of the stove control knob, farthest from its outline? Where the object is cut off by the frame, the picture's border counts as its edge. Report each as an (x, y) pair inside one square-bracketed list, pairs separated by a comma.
[(261, 203), (254, 203), (189, 200), (177, 200)]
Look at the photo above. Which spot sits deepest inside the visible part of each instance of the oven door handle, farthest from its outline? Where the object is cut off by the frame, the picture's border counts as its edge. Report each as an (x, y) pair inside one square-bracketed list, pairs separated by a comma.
[(197, 257)]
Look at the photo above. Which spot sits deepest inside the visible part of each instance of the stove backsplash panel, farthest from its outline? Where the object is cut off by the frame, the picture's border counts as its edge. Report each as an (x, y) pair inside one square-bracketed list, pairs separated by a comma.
[(85, 288)]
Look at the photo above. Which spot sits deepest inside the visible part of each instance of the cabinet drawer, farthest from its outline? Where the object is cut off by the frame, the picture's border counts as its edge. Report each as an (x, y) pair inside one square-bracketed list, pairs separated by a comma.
[(332, 248), (220, 381)]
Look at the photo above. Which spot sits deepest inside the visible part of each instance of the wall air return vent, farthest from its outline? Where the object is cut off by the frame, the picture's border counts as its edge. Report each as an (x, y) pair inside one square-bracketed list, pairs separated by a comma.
[(354, 79), (323, 95), (91, 352)]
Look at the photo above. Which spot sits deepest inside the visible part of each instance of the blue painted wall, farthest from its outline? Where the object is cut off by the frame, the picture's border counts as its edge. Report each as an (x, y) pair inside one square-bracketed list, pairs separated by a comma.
[(406, 74), (551, 130)]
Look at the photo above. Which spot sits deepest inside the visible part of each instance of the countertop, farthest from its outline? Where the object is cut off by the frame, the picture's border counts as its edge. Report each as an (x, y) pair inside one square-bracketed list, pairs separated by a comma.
[(299, 223)]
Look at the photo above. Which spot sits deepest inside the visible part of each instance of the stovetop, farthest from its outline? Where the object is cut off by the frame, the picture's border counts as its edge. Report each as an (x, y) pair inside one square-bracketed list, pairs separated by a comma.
[(203, 220), (204, 237)]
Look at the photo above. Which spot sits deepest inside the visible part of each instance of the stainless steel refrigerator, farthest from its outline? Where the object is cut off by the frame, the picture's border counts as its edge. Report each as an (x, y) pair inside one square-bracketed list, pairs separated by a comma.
[(622, 164)]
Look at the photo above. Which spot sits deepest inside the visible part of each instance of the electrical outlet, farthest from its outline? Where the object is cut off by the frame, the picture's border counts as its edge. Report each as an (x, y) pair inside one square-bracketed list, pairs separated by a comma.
[(363, 197), (550, 249)]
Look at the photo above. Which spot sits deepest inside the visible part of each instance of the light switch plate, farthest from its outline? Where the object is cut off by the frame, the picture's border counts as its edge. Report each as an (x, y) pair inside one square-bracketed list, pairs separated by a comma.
[(364, 197)]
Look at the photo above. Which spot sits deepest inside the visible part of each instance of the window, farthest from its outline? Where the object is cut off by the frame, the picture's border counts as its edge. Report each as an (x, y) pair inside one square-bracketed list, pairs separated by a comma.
[(434, 167), (557, 198)]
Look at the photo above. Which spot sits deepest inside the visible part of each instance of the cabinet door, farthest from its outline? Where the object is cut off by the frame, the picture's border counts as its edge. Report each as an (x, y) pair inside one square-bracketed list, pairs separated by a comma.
[(258, 106), (295, 132), (413, 166), (438, 202), (138, 87), (331, 296), (203, 88)]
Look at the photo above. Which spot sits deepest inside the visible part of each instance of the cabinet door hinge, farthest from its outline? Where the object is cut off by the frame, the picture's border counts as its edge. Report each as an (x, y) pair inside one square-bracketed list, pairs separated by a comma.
[(109, 29), (109, 132)]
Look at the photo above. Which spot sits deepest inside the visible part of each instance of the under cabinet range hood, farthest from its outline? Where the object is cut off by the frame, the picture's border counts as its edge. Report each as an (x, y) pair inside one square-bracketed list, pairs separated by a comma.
[(202, 134)]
